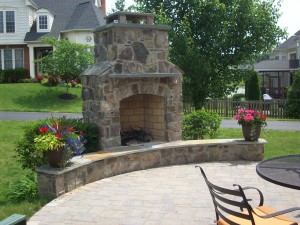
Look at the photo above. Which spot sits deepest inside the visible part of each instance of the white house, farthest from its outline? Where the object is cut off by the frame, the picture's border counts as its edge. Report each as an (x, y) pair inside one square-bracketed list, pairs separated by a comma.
[(24, 22), (276, 72)]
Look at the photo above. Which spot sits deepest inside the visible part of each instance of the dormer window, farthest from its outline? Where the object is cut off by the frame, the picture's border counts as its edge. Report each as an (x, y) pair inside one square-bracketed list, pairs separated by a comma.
[(43, 22), (7, 21)]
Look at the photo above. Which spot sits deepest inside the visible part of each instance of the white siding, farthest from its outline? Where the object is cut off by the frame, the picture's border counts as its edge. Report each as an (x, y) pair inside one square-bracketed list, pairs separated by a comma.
[(31, 17), (21, 23), (79, 37)]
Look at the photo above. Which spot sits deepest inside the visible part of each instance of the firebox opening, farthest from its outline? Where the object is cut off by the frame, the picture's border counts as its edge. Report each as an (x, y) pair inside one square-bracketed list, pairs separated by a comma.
[(142, 117)]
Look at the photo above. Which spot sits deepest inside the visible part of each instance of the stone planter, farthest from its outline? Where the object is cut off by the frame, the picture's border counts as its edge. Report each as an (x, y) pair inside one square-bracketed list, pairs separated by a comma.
[(251, 132)]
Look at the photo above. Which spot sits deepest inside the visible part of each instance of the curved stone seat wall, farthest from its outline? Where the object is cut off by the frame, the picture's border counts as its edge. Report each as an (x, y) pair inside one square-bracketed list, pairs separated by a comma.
[(54, 182)]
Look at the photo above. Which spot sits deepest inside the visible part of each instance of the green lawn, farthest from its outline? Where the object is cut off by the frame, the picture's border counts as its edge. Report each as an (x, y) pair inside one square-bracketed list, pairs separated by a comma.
[(279, 143), (10, 132), (34, 97)]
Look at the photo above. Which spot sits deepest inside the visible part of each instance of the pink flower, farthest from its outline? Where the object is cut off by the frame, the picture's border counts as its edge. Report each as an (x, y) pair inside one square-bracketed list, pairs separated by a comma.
[(248, 117), (237, 117)]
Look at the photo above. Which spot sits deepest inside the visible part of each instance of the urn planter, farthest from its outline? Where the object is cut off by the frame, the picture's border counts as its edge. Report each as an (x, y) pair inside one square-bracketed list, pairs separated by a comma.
[(251, 132), (56, 157)]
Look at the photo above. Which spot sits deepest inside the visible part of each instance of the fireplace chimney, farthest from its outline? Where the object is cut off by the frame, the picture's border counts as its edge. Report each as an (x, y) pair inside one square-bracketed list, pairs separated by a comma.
[(132, 84), (103, 6)]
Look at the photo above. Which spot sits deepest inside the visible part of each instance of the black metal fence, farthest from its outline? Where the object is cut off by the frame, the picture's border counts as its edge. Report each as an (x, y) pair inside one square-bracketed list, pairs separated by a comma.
[(228, 108)]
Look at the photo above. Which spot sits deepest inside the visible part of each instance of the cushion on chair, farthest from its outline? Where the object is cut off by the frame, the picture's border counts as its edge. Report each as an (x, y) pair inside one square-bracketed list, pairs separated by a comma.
[(262, 210)]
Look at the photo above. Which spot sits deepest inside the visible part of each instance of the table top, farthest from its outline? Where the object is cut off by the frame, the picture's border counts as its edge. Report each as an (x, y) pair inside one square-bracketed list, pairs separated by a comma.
[(282, 170)]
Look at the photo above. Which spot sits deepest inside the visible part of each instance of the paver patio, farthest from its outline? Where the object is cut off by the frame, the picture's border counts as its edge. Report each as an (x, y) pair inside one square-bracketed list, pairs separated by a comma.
[(174, 195)]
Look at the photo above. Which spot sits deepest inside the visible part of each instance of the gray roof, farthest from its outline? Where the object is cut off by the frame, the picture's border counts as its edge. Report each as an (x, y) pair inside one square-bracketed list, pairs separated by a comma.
[(272, 65), (68, 15), (288, 44)]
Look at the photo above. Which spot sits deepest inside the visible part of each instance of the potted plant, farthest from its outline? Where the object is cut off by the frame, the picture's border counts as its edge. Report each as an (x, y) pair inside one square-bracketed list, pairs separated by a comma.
[(251, 122), (60, 142)]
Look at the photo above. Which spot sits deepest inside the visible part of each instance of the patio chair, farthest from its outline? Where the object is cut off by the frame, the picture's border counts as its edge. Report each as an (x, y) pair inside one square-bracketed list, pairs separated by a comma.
[(234, 203)]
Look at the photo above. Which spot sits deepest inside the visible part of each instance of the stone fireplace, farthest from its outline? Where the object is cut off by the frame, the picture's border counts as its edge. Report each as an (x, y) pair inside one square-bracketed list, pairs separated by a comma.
[(132, 83)]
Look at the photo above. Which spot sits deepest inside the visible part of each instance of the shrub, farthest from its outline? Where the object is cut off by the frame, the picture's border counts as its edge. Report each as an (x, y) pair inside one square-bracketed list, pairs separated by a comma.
[(238, 96), (200, 124), (30, 158), (25, 188), (45, 81), (292, 107), (50, 80), (91, 133), (28, 80), (53, 79), (13, 75), (252, 86)]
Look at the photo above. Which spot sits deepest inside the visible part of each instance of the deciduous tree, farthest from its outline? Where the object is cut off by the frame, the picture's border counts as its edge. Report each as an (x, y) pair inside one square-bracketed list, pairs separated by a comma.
[(210, 38), (68, 59)]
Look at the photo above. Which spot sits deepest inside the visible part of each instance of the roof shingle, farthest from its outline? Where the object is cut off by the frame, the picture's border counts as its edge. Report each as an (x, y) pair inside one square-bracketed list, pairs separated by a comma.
[(68, 15)]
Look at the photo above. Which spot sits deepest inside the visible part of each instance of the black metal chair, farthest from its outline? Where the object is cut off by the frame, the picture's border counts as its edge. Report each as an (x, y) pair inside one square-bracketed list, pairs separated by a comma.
[(233, 208)]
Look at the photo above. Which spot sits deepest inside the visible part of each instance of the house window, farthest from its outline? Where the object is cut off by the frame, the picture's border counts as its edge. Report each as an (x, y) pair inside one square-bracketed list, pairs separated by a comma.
[(277, 57), (11, 58), (10, 22), (1, 22), (19, 58), (43, 22), (293, 56), (7, 22)]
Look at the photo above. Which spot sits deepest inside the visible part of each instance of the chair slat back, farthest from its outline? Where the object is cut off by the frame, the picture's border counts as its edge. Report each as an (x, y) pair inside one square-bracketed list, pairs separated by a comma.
[(229, 202)]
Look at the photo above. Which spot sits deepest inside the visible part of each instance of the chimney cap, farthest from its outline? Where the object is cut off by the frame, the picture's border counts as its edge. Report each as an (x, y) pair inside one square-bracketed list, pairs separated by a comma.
[(130, 17)]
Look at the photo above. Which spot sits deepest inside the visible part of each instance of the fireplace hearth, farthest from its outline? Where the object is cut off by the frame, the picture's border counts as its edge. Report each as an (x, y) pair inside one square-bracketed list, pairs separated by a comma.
[(132, 85)]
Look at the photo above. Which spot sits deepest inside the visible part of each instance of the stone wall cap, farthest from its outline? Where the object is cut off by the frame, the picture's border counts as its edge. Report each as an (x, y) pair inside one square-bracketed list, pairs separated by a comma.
[(144, 75), (116, 14), (210, 142), (133, 25), (75, 163)]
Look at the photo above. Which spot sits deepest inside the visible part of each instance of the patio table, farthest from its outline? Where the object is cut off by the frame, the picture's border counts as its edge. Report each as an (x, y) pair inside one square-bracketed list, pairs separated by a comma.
[(282, 170)]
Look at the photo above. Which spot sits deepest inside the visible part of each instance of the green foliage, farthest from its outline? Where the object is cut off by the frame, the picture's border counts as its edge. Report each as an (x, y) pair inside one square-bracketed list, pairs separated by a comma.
[(68, 60), (23, 188), (50, 80), (90, 131), (28, 154), (120, 5), (292, 107), (238, 96), (209, 39), (252, 86), (199, 124), (45, 82), (13, 75), (28, 80)]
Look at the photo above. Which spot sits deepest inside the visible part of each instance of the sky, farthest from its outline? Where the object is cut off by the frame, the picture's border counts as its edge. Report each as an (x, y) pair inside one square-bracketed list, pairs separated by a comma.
[(289, 10)]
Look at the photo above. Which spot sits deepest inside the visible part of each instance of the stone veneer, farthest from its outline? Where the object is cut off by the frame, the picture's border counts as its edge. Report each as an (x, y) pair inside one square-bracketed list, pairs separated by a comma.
[(131, 59), (54, 182)]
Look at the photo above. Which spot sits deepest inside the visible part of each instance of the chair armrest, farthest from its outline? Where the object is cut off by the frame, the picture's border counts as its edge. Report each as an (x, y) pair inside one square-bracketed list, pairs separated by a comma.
[(261, 197), (278, 213)]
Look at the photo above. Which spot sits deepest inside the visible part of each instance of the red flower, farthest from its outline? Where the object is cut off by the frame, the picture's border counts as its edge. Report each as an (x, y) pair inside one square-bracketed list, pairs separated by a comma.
[(71, 129), (81, 132), (43, 130), (263, 117), (58, 135)]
